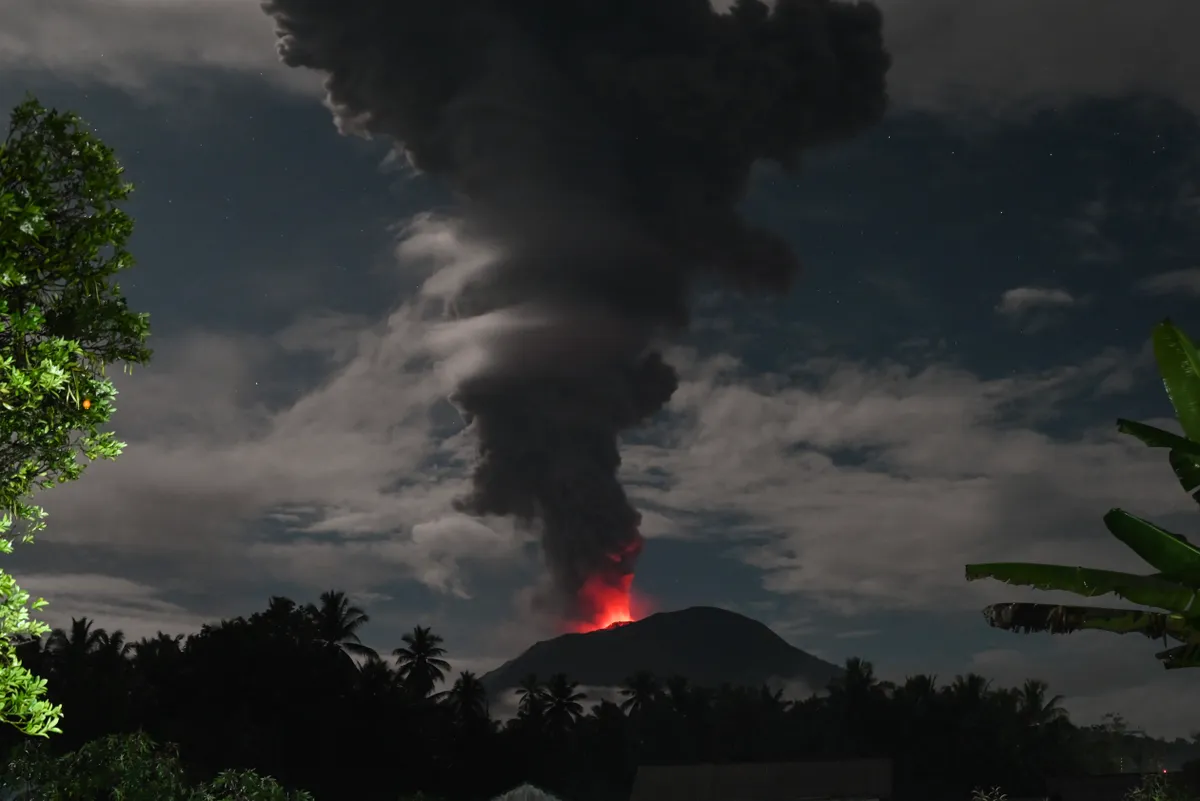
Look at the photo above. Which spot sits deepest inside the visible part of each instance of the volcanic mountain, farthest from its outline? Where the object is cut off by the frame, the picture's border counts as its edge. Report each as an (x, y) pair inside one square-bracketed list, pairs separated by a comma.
[(705, 645)]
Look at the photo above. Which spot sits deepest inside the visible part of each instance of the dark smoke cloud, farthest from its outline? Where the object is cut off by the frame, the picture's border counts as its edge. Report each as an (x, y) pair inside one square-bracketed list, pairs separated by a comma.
[(601, 146)]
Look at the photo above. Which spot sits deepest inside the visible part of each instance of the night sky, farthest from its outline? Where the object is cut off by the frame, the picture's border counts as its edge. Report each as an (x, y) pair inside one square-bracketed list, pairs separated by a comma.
[(981, 274)]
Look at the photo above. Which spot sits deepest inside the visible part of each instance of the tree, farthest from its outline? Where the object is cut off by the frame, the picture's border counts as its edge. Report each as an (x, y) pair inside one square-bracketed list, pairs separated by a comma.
[(640, 692), (420, 662), (562, 703), (467, 700), (532, 697), (134, 768), (1175, 586), (337, 621), (62, 321), (71, 649), (1036, 708)]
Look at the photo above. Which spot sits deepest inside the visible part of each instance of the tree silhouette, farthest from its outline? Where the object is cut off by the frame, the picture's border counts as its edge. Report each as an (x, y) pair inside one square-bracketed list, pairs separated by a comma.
[(268, 692), (467, 700), (337, 622), (641, 691), (562, 704), (420, 663), (532, 703)]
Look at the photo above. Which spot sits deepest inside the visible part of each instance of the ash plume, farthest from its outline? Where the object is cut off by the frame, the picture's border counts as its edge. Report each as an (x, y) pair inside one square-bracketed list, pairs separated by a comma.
[(601, 148)]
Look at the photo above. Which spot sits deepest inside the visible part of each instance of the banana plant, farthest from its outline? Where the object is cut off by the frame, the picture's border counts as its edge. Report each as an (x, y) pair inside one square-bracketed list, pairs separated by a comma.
[(1174, 588)]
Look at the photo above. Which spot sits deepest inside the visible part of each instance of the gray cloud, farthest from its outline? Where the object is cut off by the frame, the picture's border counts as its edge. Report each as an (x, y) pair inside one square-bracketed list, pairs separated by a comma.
[(1183, 282), (135, 608), (949, 54), (863, 487), (354, 476), (1026, 298), (1105, 673)]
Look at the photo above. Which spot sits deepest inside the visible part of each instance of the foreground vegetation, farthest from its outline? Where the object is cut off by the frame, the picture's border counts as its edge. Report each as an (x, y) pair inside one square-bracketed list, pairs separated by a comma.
[(281, 692), (63, 320)]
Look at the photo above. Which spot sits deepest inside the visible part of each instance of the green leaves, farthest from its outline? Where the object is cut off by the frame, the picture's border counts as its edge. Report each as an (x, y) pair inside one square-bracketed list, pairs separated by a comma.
[(131, 767), (62, 321), (1170, 554), (1175, 587), (1059, 619), (1179, 364), (1187, 470), (1153, 591)]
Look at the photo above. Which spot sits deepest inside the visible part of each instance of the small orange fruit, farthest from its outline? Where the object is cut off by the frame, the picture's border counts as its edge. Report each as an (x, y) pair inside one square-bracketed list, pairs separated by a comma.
[(87, 404)]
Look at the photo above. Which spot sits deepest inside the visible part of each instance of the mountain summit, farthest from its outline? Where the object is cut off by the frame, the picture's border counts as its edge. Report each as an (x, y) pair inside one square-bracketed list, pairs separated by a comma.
[(705, 645)]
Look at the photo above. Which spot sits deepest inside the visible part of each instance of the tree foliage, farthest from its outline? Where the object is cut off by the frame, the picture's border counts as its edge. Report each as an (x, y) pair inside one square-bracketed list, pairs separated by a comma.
[(273, 692), (62, 321), (129, 768), (1174, 587)]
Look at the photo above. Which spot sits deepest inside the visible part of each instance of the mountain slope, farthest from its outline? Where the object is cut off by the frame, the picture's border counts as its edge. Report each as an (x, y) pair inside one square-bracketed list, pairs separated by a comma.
[(706, 645)]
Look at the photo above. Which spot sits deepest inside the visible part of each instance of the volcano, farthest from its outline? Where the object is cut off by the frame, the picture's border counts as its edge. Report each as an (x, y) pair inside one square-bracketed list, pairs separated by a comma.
[(707, 646)]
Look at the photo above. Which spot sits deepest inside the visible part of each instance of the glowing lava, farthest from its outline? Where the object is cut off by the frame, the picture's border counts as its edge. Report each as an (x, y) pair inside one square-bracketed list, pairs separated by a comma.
[(608, 602)]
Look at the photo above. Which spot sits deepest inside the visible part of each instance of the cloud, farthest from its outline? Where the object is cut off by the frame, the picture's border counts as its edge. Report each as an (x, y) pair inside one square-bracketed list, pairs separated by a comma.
[(236, 467), (129, 43), (1186, 282), (114, 603), (1105, 673), (1034, 309), (865, 487), (1023, 299), (948, 54), (951, 54)]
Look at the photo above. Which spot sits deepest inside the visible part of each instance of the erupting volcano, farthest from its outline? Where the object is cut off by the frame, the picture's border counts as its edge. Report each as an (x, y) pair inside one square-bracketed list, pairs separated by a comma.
[(606, 597), (599, 151), (607, 605)]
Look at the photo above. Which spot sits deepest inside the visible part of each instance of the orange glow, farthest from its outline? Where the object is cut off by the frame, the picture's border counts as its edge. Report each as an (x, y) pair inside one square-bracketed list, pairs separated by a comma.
[(87, 404), (610, 603)]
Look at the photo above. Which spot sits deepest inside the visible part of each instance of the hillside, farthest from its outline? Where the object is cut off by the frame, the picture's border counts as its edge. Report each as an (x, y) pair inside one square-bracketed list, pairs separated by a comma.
[(706, 645)]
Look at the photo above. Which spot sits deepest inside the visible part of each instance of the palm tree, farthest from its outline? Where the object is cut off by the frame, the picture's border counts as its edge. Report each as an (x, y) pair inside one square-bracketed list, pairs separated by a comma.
[(969, 691), (533, 697), (1035, 708), (71, 649), (641, 690), (376, 677), (420, 663), (337, 623), (160, 646), (466, 699), (562, 703), (283, 618), (113, 644)]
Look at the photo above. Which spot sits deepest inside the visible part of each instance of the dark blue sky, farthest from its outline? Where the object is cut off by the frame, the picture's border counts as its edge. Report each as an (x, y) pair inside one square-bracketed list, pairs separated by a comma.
[(980, 281)]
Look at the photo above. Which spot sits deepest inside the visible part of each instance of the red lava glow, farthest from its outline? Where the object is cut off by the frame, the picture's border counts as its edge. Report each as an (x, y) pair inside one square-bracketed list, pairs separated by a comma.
[(610, 603)]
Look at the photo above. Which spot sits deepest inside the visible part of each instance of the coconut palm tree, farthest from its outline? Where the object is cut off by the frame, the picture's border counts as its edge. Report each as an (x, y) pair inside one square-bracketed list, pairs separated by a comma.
[(641, 690), (337, 622), (1035, 708), (420, 664), (562, 703), (71, 649), (533, 697), (467, 700), (376, 677)]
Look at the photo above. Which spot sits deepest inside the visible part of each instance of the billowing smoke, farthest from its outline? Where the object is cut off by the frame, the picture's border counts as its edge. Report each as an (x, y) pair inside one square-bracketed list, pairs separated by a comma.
[(600, 147)]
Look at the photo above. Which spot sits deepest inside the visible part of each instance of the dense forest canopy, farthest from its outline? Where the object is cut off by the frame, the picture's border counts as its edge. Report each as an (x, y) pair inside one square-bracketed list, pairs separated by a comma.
[(292, 693)]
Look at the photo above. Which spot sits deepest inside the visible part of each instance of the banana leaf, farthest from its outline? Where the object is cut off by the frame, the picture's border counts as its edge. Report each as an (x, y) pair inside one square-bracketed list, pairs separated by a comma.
[(1187, 470), (1181, 656), (1145, 590), (1158, 438), (1056, 619), (1179, 365), (1169, 553)]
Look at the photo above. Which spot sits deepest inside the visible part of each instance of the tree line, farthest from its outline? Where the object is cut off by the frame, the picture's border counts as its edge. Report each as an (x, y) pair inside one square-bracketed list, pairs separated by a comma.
[(291, 692)]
